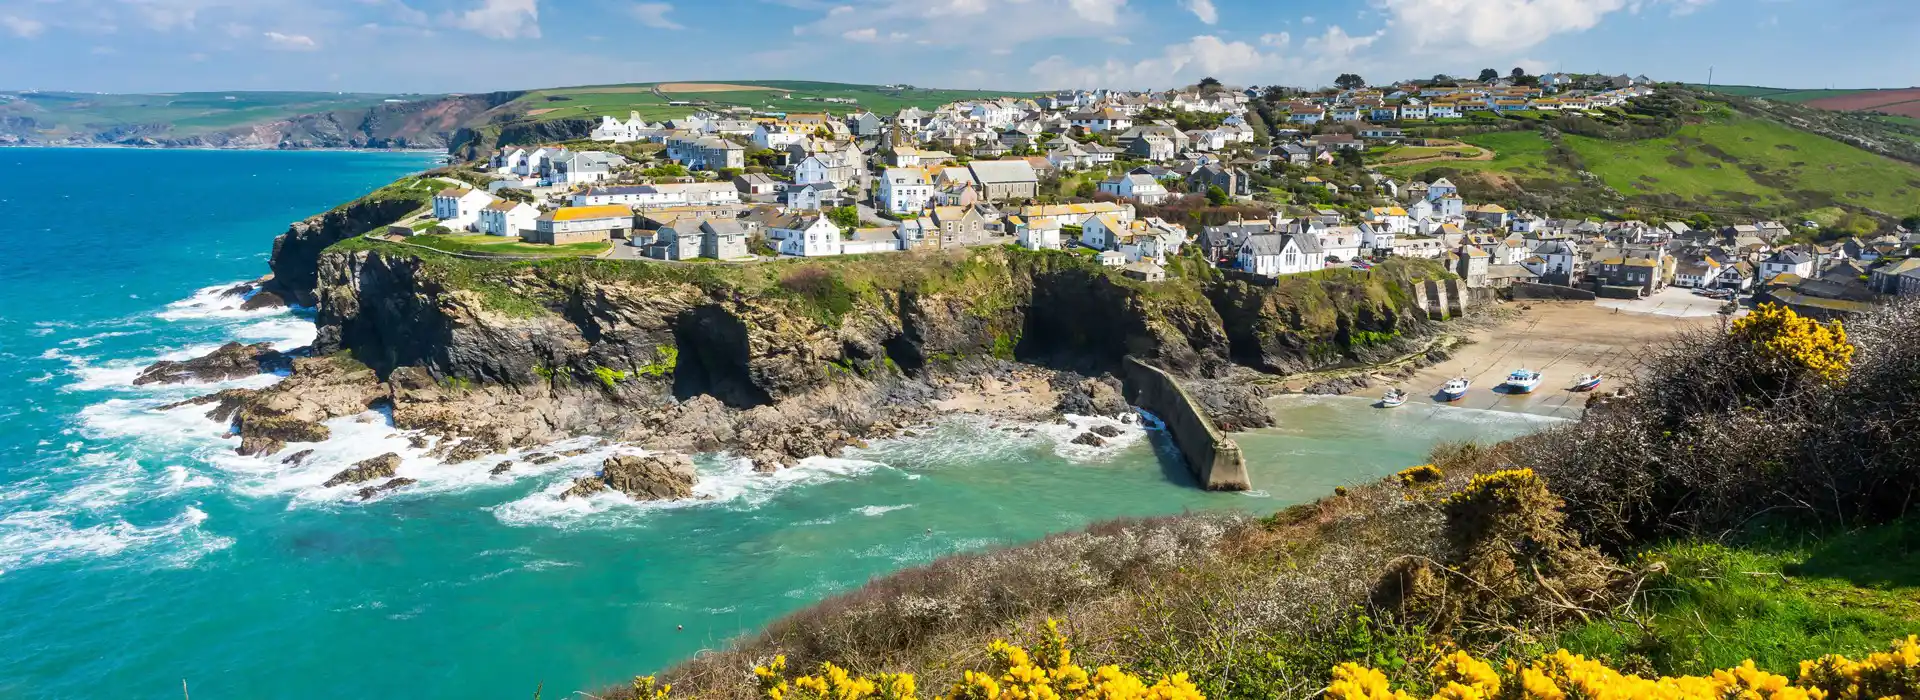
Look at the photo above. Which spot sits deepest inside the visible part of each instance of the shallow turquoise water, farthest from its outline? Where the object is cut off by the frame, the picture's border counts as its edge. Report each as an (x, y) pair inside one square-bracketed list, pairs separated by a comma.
[(136, 550)]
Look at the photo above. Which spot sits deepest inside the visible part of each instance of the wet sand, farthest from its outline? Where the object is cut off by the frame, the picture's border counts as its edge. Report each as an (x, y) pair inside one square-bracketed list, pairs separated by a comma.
[(1562, 341)]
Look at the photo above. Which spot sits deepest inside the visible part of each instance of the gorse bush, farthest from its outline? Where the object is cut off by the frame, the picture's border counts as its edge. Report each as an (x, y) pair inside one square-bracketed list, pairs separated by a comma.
[(1797, 343), (1047, 672), (1566, 676)]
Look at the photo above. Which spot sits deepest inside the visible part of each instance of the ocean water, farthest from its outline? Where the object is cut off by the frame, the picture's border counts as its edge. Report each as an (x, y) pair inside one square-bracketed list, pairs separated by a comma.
[(137, 551)]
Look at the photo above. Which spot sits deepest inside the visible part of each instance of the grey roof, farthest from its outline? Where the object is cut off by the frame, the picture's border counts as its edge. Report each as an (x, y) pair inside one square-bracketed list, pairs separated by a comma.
[(1554, 248), (1790, 256), (1001, 171)]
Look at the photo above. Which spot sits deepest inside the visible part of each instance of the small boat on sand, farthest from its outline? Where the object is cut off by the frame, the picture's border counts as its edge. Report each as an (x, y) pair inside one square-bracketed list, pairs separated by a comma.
[(1455, 389), (1589, 382), (1522, 381), (1393, 399)]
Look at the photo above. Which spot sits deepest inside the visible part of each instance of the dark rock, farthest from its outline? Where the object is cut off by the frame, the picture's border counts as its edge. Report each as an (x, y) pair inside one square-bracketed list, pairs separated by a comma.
[(371, 491), (655, 477), (1234, 403), (1340, 386), (263, 299), (1089, 397), (366, 470), (418, 442), (501, 468), (543, 459), (1090, 440), (231, 361), (1106, 431), (294, 460)]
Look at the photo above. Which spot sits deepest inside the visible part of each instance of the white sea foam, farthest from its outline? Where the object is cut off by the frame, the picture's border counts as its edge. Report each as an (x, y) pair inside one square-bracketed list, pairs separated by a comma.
[(37, 537), (212, 302), (724, 481), (877, 511)]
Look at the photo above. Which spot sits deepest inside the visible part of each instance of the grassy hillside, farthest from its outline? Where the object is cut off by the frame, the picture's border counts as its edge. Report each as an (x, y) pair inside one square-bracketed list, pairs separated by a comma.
[(65, 113), (1719, 161), (651, 102), (1782, 94)]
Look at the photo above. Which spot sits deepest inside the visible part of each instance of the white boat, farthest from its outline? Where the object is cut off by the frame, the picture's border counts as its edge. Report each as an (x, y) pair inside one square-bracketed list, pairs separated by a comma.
[(1589, 382), (1455, 389), (1393, 399), (1523, 381)]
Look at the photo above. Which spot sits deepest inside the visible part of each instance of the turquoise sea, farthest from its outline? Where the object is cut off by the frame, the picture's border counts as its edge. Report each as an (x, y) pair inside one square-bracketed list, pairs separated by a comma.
[(137, 551)]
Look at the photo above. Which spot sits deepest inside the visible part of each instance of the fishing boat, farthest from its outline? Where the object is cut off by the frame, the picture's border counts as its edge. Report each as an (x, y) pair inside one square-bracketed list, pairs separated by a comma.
[(1589, 382), (1394, 398), (1455, 389), (1523, 381)]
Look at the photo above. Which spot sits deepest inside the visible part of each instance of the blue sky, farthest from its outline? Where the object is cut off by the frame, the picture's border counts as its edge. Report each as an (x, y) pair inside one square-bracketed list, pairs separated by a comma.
[(473, 45)]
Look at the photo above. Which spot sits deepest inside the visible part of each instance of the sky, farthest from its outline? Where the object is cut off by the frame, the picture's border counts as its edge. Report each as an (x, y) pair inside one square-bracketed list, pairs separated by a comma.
[(439, 46)]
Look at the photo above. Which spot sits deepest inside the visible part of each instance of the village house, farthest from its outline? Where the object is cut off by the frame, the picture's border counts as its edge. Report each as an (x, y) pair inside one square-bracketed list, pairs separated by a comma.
[(1341, 243), (813, 197), (960, 227), (755, 184), (1790, 261), (1099, 120), (1038, 234), (1901, 278), (706, 152), (1276, 254), (581, 225), (1233, 181), (459, 209), (904, 191), (1701, 272), (806, 235), (1005, 180), (506, 218), (1471, 264), (1136, 186)]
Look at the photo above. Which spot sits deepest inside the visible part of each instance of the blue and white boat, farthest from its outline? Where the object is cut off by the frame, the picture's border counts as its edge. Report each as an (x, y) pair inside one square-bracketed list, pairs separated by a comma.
[(1523, 381), (1455, 389), (1589, 382)]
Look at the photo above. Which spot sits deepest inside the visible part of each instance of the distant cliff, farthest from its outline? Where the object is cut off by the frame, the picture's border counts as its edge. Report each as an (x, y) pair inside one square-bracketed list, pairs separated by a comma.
[(421, 124), (480, 142)]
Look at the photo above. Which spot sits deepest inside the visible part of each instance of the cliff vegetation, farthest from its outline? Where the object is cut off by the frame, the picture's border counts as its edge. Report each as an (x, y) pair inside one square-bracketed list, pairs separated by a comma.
[(1734, 524)]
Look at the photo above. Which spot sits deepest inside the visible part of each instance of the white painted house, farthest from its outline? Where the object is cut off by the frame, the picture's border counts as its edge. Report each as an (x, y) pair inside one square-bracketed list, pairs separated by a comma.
[(806, 235), (459, 209), (1787, 262), (905, 190), (1276, 254), (1138, 187), (506, 218)]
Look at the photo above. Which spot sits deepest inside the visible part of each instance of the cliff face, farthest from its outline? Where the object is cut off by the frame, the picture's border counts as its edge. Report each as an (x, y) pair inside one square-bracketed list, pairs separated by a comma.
[(758, 334), (422, 124), (296, 253), (480, 142)]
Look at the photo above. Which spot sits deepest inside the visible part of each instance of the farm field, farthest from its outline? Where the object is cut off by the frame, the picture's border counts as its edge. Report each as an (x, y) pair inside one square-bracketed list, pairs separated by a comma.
[(1779, 94), (1901, 102), (186, 113), (618, 100), (1752, 162), (1514, 152)]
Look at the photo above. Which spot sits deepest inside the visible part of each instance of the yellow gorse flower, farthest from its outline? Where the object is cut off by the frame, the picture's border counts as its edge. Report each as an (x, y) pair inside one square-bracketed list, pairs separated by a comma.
[(1044, 672), (1788, 337), (1564, 675)]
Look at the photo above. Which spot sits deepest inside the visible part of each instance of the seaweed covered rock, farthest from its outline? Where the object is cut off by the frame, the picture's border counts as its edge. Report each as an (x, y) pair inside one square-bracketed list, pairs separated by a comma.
[(366, 470), (655, 477)]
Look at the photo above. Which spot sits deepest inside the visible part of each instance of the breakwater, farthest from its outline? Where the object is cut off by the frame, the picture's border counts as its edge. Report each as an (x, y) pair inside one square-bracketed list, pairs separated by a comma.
[(1214, 459)]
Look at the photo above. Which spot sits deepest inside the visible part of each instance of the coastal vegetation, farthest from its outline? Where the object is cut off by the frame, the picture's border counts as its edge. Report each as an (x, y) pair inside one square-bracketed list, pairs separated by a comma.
[(1740, 509)]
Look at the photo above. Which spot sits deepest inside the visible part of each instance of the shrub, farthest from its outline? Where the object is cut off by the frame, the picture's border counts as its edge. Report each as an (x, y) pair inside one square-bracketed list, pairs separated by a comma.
[(1796, 343), (1562, 675), (1423, 475)]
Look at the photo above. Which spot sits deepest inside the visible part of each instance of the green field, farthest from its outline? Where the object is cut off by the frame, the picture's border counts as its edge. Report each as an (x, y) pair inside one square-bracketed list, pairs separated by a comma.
[(495, 245), (1752, 162), (186, 113), (1780, 94), (1724, 163), (618, 100)]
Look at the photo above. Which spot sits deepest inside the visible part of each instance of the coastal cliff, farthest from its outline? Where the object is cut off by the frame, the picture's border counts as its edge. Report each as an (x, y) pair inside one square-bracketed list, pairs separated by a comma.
[(776, 361), (415, 124)]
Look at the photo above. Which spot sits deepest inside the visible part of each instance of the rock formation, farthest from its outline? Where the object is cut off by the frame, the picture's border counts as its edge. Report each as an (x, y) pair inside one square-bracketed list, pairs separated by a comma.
[(231, 361), (366, 470), (653, 477)]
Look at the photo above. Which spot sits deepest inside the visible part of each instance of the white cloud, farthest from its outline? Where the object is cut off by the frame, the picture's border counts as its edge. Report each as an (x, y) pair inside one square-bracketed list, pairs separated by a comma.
[(1097, 11), (1308, 19), (292, 42), (870, 35), (1277, 40), (968, 22), (1201, 56), (502, 19), (23, 27), (1507, 24), (654, 14), (1337, 44), (1203, 9)]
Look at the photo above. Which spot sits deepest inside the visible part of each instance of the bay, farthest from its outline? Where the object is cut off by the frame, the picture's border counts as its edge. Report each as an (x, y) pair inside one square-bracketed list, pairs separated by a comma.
[(137, 550)]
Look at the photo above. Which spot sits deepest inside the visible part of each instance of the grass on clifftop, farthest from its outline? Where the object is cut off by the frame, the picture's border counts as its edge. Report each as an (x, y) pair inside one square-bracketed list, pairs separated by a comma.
[(495, 245), (1773, 602)]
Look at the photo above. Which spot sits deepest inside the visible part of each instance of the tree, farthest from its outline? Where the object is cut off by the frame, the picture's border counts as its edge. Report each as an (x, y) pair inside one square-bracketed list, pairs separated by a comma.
[(844, 217), (1911, 223), (1442, 78), (1518, 73), (1488, 75), (1216, 196), (1209, 83), (1350, 81)]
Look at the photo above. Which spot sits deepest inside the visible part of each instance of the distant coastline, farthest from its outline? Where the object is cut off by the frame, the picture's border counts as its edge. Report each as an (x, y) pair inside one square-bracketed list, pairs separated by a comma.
[(138, 147)]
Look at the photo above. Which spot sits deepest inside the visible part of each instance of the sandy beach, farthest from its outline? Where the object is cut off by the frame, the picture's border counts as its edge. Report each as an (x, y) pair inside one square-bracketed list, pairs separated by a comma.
[(1561, 340)]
